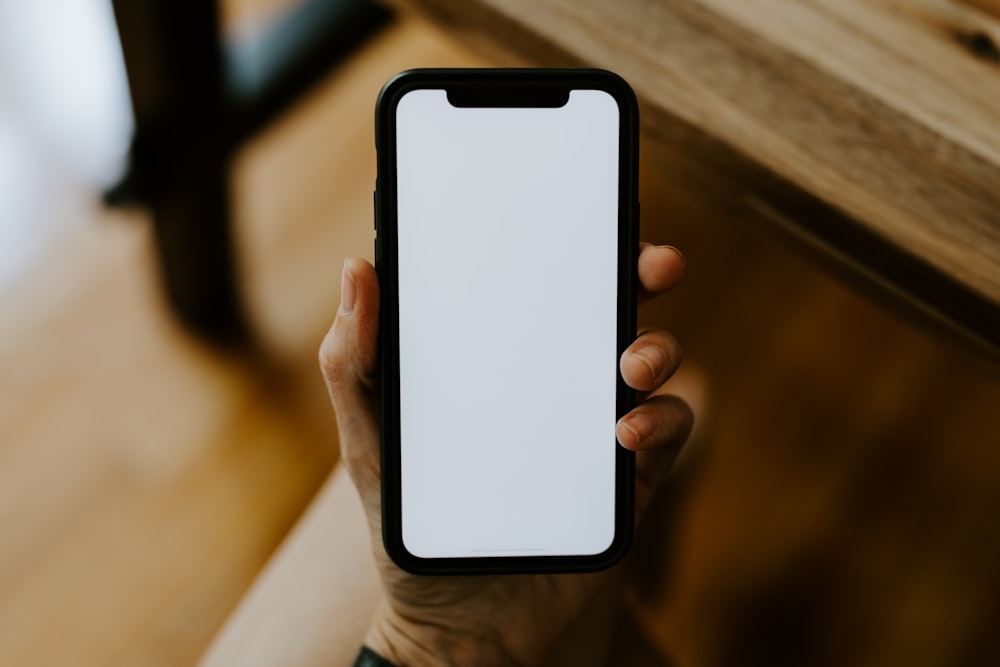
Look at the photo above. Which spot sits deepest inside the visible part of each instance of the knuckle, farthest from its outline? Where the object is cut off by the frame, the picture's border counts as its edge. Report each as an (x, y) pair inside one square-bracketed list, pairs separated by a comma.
[(331, 362)]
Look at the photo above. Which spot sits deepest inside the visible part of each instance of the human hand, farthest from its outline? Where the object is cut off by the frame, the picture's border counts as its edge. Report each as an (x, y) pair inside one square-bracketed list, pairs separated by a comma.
[(500, 619)]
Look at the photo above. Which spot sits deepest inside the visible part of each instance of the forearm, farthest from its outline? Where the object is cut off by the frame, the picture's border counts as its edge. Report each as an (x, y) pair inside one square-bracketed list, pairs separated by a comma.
[(314, 602)]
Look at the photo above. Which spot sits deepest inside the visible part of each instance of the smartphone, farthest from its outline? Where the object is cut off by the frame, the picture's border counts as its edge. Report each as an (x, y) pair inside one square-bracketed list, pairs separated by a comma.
[(506, 247)]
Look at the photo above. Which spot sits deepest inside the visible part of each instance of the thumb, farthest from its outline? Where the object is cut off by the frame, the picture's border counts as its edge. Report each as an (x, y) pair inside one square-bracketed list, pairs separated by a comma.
[(348, 358)]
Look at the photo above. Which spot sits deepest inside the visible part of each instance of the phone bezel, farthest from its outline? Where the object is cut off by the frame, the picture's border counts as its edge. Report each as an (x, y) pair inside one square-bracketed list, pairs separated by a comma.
[(499, 87)]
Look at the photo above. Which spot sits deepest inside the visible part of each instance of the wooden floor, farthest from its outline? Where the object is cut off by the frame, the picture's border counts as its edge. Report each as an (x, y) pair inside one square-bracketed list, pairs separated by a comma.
[(841, 507)]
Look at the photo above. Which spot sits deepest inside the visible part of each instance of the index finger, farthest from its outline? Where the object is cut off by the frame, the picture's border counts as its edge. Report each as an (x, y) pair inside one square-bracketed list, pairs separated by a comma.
[(660, 267)]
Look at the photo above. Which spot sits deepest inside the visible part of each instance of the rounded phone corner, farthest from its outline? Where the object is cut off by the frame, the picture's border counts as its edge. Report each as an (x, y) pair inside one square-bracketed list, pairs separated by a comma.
[(404, 560), (395, 85), (615, 552)]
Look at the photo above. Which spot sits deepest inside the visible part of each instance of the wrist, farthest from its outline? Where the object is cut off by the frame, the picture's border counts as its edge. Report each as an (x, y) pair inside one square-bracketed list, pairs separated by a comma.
[(421, 643)]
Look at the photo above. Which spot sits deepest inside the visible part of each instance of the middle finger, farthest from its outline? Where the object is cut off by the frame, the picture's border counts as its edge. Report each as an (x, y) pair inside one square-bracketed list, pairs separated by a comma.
[(650, 360)]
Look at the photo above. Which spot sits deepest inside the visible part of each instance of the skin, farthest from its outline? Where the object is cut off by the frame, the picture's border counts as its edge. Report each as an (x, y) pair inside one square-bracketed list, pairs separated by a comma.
[(489, 620)]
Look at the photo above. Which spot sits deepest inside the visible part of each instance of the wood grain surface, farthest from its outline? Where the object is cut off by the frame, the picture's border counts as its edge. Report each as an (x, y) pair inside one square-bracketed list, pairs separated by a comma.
[(871, 125)]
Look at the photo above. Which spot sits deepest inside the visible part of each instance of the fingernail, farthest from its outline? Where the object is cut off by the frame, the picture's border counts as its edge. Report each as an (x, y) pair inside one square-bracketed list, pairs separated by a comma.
[(653, 358), (675, 249), (348, 290), (640, 425)]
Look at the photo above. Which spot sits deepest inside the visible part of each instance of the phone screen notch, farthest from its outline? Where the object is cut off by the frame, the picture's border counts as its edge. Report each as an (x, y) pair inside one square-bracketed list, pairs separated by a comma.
[(507, 96)]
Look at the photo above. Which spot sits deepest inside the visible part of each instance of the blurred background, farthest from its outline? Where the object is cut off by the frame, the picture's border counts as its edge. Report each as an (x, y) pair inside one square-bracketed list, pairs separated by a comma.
[(179, 187)]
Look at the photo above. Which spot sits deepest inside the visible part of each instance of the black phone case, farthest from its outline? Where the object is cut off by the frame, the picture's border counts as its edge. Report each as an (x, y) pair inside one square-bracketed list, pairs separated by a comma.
[(499, 88)]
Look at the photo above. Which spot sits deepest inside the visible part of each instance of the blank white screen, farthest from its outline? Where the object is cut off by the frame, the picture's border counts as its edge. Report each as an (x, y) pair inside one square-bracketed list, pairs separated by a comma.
[(507, 264)]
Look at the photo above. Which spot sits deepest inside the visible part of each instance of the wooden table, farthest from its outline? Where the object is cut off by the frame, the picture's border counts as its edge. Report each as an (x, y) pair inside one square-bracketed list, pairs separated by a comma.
[(870, 129), (846, 513)]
